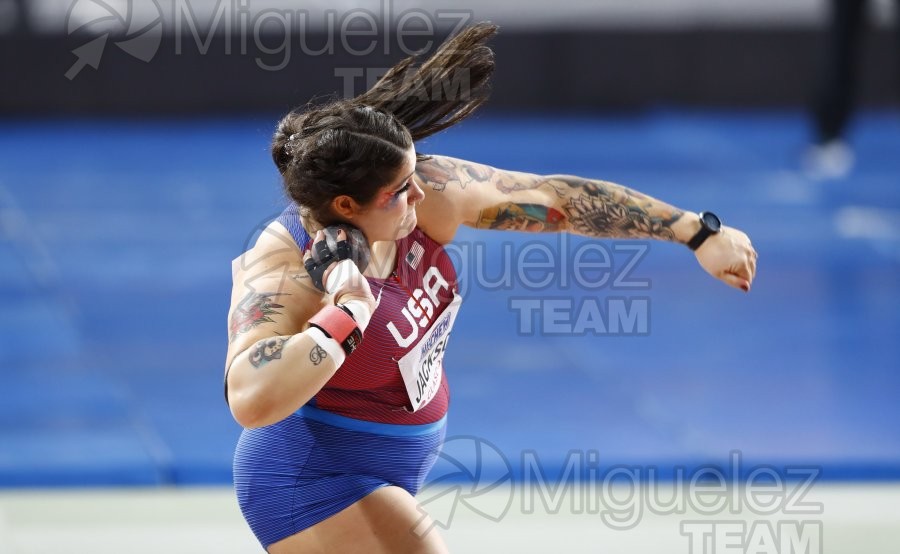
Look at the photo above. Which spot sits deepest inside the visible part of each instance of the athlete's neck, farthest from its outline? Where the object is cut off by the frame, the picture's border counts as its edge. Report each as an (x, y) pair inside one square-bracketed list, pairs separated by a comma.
[(383, 260)]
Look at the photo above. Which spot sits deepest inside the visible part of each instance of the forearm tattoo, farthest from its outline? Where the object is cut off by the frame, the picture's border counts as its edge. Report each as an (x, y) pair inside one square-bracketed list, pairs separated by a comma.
[(584, 206), (266, 350), (598, 208), (254, 309), (317, 354)]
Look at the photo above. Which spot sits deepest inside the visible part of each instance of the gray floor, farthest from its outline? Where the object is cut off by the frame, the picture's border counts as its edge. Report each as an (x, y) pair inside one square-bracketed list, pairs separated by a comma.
[(857, 519)]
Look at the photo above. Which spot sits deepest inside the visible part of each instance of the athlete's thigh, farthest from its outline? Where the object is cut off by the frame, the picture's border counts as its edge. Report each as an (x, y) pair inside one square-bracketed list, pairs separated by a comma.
[(385, 521)]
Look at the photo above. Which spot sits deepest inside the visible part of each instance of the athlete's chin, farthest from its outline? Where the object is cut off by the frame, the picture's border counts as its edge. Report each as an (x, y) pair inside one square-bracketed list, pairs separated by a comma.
[(405, 226), (409, 223)]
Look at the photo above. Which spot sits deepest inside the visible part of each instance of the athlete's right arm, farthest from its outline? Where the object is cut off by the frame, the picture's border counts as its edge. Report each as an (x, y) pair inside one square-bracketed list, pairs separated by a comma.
[(274, 364)]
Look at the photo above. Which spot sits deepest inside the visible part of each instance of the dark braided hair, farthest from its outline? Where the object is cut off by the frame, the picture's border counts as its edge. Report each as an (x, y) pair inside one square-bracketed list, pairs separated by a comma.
[(356, 146)]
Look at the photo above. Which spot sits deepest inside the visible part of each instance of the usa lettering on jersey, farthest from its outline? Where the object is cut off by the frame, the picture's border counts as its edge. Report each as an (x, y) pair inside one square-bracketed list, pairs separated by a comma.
[(420, 307)]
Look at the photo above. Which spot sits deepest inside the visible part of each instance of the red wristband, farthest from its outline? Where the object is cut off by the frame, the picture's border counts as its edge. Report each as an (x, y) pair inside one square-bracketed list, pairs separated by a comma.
[(339, 325)]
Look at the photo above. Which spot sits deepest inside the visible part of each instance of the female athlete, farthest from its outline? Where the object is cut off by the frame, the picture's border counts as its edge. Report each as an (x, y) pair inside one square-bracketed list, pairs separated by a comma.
[(335, 372)]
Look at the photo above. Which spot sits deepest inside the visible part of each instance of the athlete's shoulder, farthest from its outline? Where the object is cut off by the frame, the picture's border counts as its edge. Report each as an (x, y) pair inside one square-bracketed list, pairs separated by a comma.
[(274, 262), (273, 245), (437, 210)]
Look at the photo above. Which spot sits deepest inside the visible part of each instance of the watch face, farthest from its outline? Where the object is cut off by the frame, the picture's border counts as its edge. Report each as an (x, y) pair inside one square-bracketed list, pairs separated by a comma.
[(711, 221)]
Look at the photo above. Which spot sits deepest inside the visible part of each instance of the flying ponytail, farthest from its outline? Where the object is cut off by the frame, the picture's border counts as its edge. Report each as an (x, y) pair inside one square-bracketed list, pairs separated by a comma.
[(442, 91), (355, 146)]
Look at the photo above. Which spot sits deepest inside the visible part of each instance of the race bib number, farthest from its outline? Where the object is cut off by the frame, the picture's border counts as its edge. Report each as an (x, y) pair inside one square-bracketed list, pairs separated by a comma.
[(423, 366)]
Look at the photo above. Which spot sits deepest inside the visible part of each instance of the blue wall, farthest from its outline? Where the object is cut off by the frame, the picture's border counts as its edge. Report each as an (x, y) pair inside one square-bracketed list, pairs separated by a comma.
[(116, 239)]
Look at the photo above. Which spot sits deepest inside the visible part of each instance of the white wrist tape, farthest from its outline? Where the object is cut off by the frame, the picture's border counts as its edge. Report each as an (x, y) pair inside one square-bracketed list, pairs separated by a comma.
[(342, 272), (329, 345), (360, 311)]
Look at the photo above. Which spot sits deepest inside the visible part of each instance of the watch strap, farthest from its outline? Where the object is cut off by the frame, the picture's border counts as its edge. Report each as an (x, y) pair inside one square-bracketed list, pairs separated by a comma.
[(705, 230), (700, 237)]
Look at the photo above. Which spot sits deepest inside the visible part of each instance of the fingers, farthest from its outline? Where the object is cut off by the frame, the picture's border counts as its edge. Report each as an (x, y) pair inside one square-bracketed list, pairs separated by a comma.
[(741, 275), (736, 281), (343, 279), (331, 267), (342, 246), (751, 263), (318, 261), (320, 237), (321, 252)]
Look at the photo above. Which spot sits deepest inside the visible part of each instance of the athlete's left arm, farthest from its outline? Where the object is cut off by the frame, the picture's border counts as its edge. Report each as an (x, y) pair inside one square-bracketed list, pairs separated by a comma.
[(462, 192)]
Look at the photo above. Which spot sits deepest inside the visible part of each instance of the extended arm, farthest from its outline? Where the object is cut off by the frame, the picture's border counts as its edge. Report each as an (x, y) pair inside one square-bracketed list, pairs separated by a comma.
[(463, 192)]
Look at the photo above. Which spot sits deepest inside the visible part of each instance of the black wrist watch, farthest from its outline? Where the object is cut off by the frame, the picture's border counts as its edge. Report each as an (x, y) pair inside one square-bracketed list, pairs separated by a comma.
[(710, 224)]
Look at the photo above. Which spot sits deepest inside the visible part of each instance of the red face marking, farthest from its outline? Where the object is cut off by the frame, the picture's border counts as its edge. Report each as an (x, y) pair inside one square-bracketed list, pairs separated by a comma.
[(387, 200)]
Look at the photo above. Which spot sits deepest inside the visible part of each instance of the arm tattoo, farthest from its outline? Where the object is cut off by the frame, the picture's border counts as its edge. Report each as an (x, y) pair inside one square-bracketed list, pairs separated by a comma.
[(507, 184), (586, 207), (532, 218), (267, 350), (254, 309), (439, 172), (317, 354), (436, 172), (475, 173), (597, 208)]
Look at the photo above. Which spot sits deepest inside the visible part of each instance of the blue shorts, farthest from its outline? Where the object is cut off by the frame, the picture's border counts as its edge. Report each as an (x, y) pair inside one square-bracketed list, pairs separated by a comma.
[(295, 473)]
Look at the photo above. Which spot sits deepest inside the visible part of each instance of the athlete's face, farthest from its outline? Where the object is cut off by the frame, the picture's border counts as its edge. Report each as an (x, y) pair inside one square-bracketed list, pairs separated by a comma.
[(392, 213)]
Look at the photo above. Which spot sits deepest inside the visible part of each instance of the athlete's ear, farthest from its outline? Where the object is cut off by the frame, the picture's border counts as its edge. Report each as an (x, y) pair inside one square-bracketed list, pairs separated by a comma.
[(345, 207)]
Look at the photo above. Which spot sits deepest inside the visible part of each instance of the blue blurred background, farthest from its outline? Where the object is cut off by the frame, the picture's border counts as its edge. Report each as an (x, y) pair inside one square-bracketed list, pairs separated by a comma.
[(126, 190)]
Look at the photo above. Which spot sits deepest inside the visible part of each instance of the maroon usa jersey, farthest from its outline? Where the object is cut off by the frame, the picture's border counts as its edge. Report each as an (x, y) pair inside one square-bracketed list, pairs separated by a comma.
[(410, 322)]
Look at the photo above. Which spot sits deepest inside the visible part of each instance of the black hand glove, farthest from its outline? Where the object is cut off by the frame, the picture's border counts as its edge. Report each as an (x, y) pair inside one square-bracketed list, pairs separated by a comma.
[(331, 250)]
